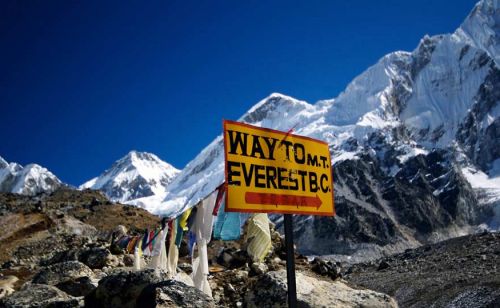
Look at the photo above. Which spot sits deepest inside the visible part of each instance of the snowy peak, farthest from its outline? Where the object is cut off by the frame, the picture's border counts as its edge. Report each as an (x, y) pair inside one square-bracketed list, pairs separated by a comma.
[(33, 179), (482, 28), (368, 93), (30, 180), (136, 175), (3, 163), (277, 111)]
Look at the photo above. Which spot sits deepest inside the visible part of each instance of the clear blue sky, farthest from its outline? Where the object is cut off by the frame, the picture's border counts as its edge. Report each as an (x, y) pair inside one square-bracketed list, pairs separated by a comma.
[(84, 82)]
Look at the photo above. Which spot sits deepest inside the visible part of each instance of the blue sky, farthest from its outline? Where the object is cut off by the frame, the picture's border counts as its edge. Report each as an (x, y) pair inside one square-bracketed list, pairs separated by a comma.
[(84, 82)]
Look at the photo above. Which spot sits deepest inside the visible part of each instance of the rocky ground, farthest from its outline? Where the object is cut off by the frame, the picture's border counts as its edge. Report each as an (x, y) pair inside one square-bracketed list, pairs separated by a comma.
[(460, 272), (33, 228), (56, 252)]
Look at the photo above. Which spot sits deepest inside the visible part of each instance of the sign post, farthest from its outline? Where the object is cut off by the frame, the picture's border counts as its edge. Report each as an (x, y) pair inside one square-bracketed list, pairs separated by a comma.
[(290, 261), (269, 171)]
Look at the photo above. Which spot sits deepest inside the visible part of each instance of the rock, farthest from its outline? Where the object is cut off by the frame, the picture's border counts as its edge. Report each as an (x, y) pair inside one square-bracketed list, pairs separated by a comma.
[(232, 258), (319, 266), (173, 293), (78, 286), (270, 290), (62, 256), (62, 272), (230, 289), (7, 285), (74, 226), (6, 291), (8, 281), (99, 273), (8, 264), (122, 288), (128, 260), (274, 264), (116, 234), (383, 265), (119, 231), (186, 267), (114, 261), (258, 268), (239, 276), (97, 257), (326, 268), (213, 285), (115, 249), (39, 295)]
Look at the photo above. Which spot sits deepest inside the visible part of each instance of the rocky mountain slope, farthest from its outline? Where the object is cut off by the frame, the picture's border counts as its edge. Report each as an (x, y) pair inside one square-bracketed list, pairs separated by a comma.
[(461, 272), (29, 180), (56, 251), (138, 178), (30, 225), (414, 140)]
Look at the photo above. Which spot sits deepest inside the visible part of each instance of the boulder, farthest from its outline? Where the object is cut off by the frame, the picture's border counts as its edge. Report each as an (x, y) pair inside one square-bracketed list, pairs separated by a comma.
[(72, 225), (61, 256), (233, 258), (122, 288), (258, 268), (6, 291), (128, 260), (8, 281), (326, 268), (185, 267), (62, 272), (172, 293), (97, 257), (80, 286), (39, 295), (383, 265), (7, 285), (270, 290), (119, 231)]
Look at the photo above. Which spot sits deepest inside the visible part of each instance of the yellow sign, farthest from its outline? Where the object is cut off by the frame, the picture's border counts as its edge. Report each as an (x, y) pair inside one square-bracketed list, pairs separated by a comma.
[(268, 171)]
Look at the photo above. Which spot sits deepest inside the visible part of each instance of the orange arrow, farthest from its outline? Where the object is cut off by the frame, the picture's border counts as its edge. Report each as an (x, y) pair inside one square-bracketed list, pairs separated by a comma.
[(275, 199)]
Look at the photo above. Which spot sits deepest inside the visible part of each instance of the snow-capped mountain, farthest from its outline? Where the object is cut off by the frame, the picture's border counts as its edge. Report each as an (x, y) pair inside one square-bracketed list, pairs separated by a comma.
[(415, 142), (29, 180), (138, 178)]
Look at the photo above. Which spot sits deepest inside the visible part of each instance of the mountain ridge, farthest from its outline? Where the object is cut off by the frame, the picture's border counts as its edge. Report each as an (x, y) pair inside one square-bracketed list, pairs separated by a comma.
[(435, 106), (29, 180), (135, 176)]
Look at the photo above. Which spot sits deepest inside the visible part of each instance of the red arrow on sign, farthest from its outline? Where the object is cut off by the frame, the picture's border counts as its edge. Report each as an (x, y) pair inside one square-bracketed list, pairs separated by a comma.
[(275, 199)]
